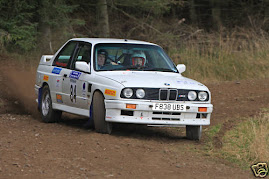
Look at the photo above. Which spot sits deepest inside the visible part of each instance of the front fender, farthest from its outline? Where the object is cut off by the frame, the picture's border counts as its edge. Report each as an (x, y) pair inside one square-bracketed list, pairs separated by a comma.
[(111, 89)]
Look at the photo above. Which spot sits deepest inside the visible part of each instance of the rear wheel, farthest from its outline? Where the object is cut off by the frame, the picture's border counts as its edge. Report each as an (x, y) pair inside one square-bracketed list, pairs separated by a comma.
[(99, 113), (47, 113), (194, 132)]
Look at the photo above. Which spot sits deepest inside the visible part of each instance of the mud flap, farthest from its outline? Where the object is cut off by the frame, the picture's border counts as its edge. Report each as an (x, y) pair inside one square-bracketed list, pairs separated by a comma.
[(39, 98), (90, 123), (91, 118)]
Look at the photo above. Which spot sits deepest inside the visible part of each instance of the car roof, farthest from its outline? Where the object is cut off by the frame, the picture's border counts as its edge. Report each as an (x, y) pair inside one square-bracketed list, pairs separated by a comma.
[(110, 40)]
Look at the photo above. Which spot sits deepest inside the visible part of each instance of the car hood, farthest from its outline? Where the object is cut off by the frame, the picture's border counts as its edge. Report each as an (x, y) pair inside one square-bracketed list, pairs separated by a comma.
[(145, 79)]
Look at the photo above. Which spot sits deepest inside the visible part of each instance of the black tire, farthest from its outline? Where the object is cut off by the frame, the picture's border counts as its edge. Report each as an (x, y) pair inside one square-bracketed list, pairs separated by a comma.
[(99, 114), (48, 114), (194, 132)]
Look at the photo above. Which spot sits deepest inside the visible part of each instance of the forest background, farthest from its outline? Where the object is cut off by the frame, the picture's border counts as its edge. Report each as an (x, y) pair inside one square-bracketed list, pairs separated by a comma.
[(217, 40)]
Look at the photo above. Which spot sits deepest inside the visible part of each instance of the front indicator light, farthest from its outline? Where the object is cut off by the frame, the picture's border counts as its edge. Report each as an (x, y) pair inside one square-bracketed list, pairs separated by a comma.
[(131, 106), (202, 109)]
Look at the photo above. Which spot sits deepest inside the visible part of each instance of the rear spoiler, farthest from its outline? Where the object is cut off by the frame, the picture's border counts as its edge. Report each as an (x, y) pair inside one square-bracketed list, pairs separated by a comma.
[(45, 60)]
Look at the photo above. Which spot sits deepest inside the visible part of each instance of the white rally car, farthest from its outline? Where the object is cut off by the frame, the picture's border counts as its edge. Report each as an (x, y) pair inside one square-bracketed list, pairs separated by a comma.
[(120, 81)]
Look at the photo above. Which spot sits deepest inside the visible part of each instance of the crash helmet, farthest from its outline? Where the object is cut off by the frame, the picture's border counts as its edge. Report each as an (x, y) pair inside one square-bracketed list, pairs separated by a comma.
[(102, 52), (138, 59)]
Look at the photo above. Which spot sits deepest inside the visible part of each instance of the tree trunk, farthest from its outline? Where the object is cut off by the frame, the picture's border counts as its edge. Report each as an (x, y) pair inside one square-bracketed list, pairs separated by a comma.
[(44, 28), (193, 15), (102, 20), (216, 13)]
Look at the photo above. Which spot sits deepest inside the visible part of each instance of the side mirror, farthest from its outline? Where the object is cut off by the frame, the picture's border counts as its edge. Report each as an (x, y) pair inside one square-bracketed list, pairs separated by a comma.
[(83, 66), (181, 68)]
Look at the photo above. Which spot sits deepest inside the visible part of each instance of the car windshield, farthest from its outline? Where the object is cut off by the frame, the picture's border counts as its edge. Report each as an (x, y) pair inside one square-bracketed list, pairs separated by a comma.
[(133, 57)]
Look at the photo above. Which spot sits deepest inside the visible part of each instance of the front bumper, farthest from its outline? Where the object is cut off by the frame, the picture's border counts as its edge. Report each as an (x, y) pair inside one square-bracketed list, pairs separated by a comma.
[(116, 111)]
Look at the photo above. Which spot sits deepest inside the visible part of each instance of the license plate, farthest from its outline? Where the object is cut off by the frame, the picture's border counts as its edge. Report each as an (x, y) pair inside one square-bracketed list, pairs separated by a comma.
[(168, 107)]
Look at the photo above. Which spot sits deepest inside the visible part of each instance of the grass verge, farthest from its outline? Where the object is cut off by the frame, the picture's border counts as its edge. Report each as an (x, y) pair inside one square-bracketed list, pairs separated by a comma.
[(248, 143), (245, 144), (210, 133)]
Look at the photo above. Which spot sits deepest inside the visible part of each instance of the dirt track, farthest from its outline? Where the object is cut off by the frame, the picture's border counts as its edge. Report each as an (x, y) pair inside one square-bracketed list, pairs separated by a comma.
[(34, 149)]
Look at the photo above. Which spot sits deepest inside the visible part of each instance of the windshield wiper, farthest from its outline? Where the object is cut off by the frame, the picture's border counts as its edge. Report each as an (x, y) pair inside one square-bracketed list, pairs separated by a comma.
[(145, 69), (129, 68)]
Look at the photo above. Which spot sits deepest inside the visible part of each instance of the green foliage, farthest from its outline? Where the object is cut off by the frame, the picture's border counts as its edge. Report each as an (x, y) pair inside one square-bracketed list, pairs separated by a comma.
[(55, 12), (17, 26), (174, 24), (24, 36), (22, 20)]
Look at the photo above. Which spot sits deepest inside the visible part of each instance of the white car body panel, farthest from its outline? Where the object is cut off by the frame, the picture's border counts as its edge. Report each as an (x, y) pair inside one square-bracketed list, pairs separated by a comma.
[(146, 79), (114, 81)]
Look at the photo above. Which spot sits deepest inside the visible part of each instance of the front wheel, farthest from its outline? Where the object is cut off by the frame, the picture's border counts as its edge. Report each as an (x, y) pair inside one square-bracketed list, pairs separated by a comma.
[(47, 113), (194, 132), (99, 114)]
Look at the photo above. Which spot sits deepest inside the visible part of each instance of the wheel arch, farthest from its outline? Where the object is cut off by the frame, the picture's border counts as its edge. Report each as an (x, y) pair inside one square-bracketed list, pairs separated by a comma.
[(45, 84), (98, 90)]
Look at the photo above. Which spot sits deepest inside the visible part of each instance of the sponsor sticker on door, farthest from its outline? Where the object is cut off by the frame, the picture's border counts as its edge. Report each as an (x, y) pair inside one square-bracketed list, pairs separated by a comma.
[(56, 70), (45, 78), (75, 75), (59, 98)]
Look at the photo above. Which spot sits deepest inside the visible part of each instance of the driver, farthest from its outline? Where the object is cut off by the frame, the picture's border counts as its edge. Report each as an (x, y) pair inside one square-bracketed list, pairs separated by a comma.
[(138, 59), (101, 58)]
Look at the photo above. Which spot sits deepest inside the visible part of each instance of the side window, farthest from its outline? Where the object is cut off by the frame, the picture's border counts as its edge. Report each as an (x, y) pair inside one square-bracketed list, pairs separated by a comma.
[(83, 54), (65, 55)]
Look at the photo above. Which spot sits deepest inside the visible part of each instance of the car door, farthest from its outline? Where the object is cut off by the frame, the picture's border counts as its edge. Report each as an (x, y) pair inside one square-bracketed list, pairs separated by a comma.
[(79, 80), (62, 65)]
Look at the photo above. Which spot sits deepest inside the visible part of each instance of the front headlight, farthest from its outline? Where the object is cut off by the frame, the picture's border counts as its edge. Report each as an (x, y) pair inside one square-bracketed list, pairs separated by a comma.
[(192, 95), (202, 96), (140, 93), (128, 92)]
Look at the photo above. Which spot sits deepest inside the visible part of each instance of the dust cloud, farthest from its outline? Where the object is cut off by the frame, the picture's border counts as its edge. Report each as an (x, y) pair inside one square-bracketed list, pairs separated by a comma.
[(17, 85)]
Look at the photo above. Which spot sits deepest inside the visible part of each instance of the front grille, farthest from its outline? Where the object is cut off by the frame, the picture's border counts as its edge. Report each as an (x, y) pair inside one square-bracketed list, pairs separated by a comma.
[(163, 94), (168, 94), (166, 116), (167, 113), (166, 119), (127, 113), (173, 94)]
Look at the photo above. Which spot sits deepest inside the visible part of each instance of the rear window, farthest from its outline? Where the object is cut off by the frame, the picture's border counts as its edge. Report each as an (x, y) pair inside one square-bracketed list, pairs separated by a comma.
[(65, 55)]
